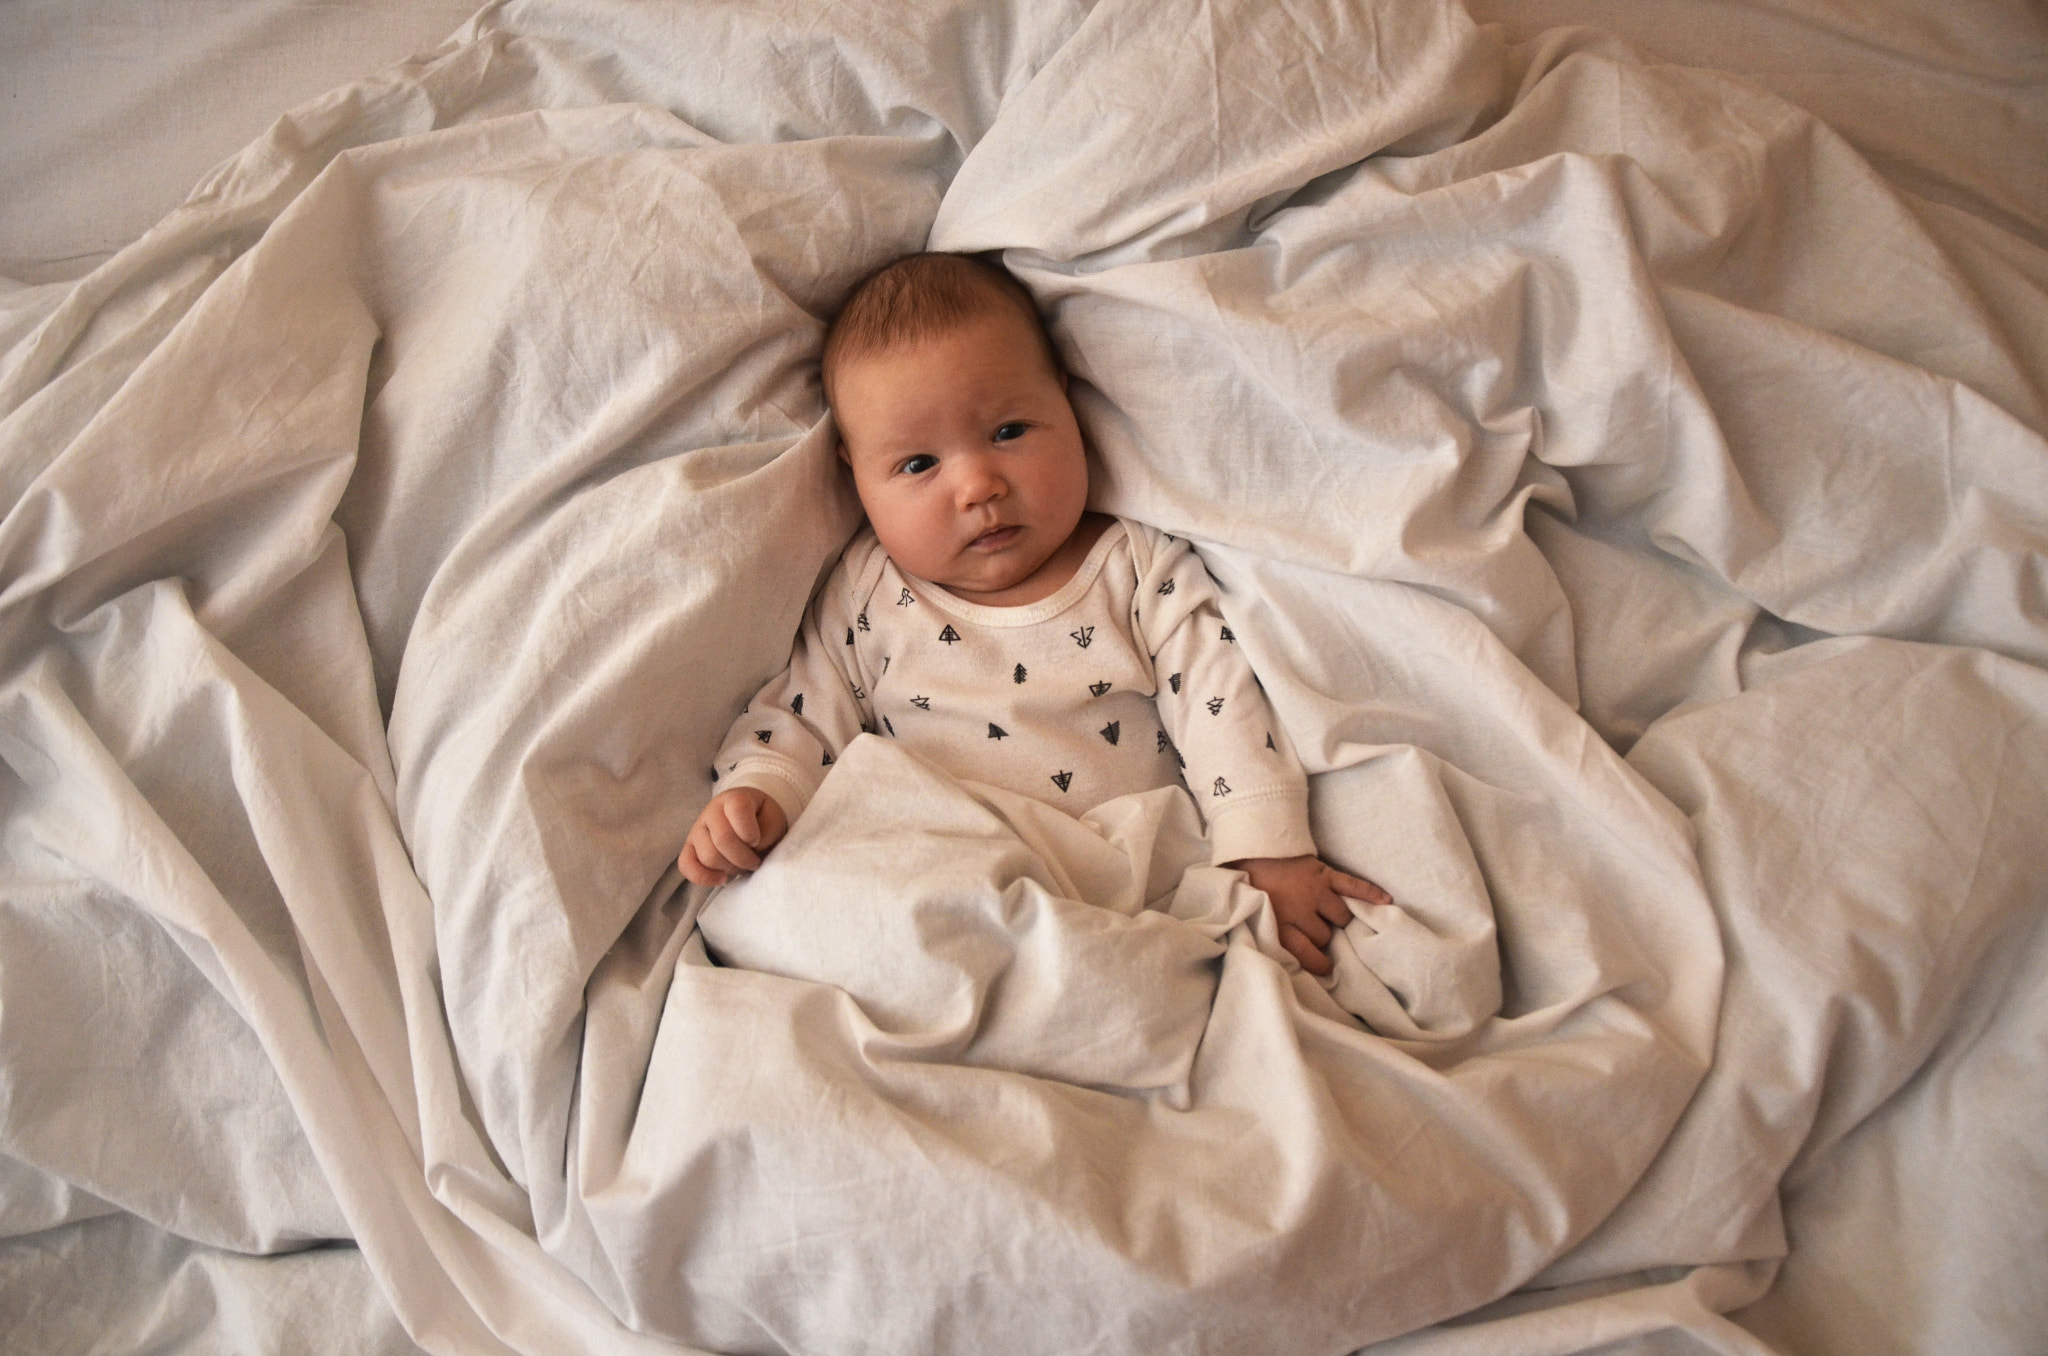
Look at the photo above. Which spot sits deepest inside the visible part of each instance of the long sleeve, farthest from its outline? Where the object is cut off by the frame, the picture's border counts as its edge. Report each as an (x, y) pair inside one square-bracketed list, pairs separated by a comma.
[(1237, 761), (804, 717)]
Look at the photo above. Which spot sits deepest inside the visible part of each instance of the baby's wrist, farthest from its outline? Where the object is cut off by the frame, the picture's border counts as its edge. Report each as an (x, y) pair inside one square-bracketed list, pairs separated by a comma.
[(771, 780)]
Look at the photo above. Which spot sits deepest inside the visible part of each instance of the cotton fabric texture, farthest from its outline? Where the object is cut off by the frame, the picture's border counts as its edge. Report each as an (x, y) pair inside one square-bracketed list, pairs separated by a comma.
[(1632, 504), (1125, 679)]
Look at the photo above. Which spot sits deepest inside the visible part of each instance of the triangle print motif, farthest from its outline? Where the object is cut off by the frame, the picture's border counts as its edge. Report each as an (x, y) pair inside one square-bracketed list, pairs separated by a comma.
[(796, 704), (1062, 780), (1227, 636), (1174, 683), (996, 731), (1097, 689), (764, 735), (1222, 788), (905, 600), (921, 703), (1083, 637), (1215, 705), (1018, 674), (1269, 741), (949, 635), (1166, 588), (861, 622), (1111, 731)]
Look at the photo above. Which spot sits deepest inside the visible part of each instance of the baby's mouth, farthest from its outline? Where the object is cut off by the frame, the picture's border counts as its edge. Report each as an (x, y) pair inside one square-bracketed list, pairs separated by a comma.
[(996, 538)]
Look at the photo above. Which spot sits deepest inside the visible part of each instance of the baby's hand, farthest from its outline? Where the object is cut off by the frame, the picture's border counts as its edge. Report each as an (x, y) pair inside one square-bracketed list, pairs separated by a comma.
[(732, 833), (1308, 900)]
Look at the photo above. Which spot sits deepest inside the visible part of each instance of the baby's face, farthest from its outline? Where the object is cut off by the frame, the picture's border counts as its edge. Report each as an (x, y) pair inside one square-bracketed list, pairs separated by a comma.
[(965, 453)]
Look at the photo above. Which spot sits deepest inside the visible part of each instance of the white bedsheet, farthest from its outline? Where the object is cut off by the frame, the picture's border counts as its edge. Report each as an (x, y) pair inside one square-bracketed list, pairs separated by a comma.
[(115, 108), (1632, 504)]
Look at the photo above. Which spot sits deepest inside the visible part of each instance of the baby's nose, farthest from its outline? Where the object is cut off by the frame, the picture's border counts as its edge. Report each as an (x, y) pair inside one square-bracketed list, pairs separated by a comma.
[(980, 481)]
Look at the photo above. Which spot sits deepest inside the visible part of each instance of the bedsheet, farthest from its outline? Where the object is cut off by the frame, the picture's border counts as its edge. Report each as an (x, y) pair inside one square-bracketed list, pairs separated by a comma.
[(114, 111), (1632, 502)]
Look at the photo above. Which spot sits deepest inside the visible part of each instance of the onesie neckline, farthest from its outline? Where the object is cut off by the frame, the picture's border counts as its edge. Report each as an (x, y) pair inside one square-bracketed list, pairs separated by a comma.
[(1027, 614)]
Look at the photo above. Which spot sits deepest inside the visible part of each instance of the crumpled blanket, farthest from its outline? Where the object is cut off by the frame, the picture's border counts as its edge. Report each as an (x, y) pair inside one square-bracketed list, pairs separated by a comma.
[(971, 925), (1636, 517)]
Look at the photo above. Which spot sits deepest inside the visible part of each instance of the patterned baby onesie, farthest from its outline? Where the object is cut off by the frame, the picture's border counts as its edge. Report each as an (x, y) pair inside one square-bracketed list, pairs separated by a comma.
[(1124, 679)]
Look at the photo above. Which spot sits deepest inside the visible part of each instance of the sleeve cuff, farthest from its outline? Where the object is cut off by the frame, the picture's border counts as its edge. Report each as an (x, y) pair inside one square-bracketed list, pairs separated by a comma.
[(770, 777), (1274, 825)]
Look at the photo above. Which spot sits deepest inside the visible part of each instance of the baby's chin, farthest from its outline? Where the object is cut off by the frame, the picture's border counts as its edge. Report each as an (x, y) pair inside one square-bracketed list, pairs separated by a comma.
[(973, 574), (968, 571), (969, 582)]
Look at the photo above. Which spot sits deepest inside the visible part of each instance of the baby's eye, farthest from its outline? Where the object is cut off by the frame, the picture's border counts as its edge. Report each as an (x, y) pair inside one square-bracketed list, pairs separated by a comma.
[(917, 465), (1005, 432)]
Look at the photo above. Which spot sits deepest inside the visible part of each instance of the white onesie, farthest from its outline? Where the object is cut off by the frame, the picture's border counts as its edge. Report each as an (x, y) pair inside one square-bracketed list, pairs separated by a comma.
[(1123, 680)]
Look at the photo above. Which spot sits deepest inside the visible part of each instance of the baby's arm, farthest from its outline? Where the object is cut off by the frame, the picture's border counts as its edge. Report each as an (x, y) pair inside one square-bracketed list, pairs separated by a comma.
[(1235, 758), (780, 748), (731, 834), (1233, 748)]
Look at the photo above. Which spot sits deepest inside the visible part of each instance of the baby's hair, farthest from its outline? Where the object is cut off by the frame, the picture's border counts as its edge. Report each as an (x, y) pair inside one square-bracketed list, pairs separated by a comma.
[(920, 295)]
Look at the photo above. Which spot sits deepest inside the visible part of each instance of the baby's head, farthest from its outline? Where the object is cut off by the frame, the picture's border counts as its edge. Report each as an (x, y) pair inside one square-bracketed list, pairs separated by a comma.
[(952, 412)]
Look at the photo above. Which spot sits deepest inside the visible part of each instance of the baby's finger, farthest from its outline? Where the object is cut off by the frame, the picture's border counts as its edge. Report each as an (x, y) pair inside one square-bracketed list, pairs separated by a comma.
[(710, 870), (694, 869), (1357, 887), (746, 824), (1308, 924), (728, 846), (1334, 908), (1312, 957)]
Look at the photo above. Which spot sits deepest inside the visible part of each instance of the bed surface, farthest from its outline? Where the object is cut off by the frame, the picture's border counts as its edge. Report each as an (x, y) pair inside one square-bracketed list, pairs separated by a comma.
[(1668, 547), (116, 108)]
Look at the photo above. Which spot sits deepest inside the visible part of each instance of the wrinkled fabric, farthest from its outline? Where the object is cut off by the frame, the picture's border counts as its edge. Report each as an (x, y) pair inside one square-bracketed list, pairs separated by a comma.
[(974, 925), (1623, 498)]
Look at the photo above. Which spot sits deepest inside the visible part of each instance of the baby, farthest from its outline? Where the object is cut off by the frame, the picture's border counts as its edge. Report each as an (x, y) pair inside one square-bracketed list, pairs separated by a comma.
[(997, 627)]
